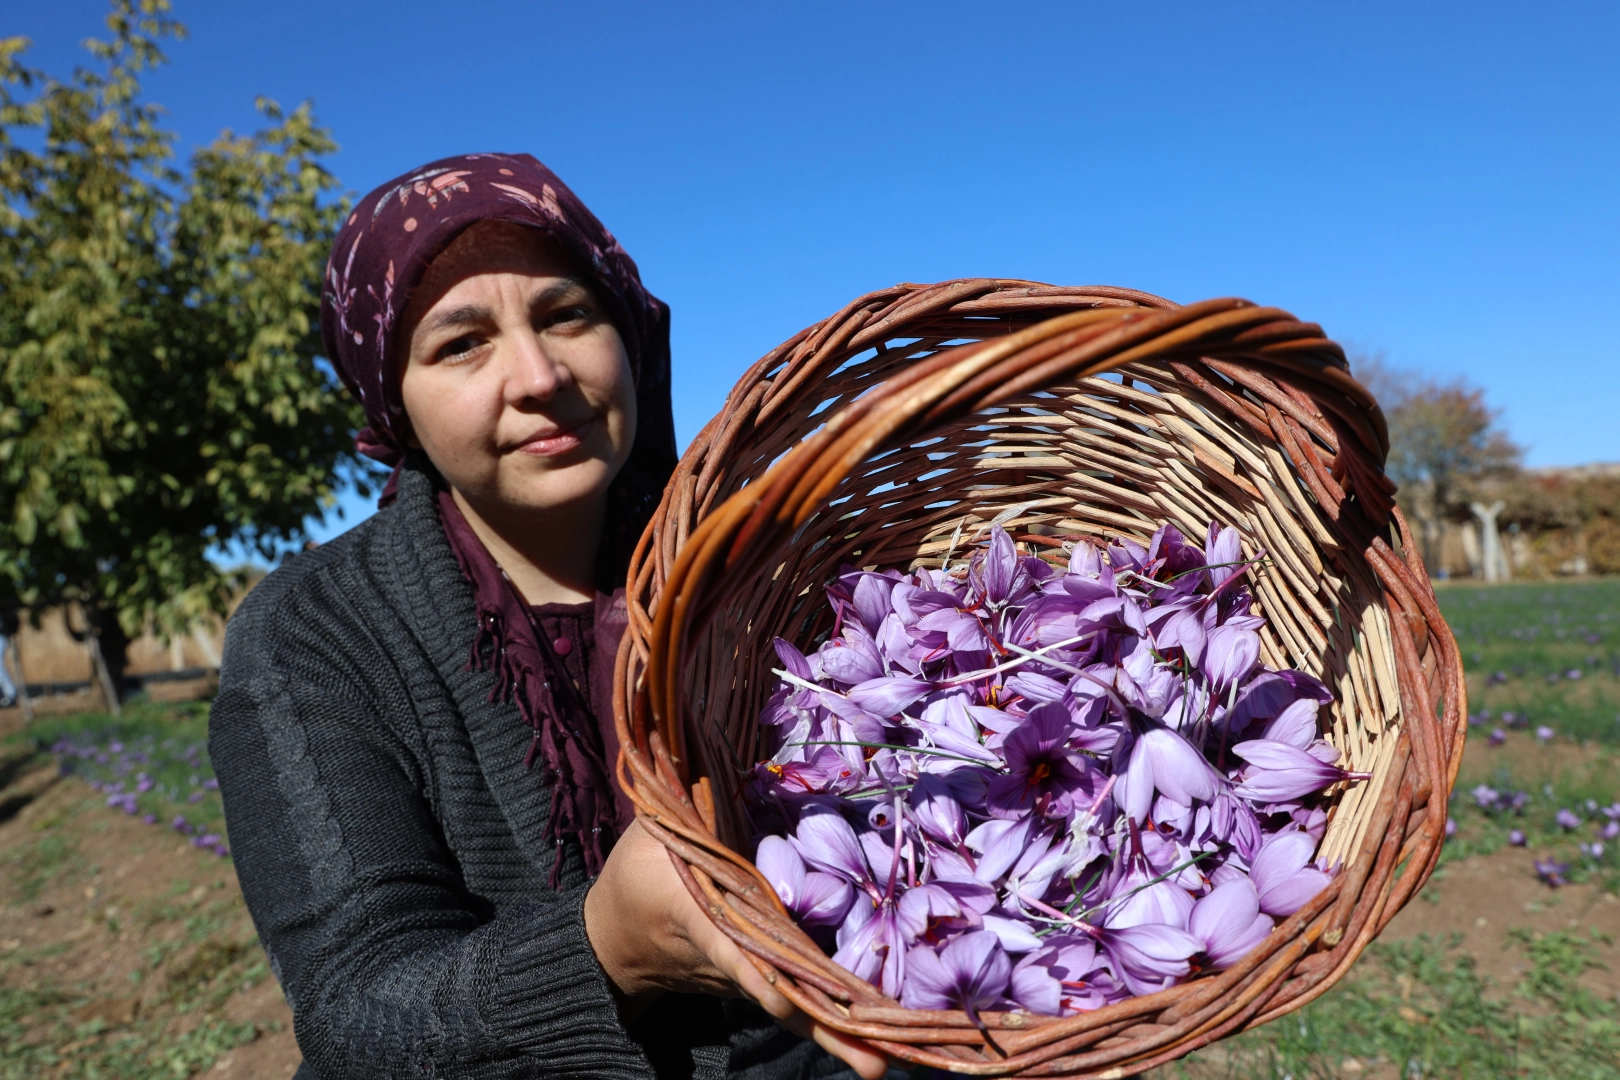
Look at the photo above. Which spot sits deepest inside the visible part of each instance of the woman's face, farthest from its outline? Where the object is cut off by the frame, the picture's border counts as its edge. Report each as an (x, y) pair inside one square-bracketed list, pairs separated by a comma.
[(517, 385)]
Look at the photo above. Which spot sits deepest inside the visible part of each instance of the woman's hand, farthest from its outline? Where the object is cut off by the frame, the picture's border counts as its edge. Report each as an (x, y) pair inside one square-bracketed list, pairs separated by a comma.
[(650, 936)]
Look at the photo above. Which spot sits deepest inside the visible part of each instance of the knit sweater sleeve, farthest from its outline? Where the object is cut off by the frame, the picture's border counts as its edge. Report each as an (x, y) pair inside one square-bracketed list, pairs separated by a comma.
[(391, 965)]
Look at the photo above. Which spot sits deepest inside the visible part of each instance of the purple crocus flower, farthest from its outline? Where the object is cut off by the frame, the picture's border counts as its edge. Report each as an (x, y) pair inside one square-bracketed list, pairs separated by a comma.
[(936, 811), (1230, 654), (1567, 819), (1066, 975), (1497, 737), (814, 898), (1552, 872), (970, 973), (1229, 922), (1544, 734), (1160, 760), (1043, 774), (1593, 850), (1150, 957), (1283, 876), (1516, 837), (1051, 744), (1279, 772)]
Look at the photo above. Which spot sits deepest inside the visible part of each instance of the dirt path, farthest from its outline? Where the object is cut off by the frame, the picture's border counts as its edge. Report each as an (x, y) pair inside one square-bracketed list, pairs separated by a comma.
[(1484, 897), (120, 941)]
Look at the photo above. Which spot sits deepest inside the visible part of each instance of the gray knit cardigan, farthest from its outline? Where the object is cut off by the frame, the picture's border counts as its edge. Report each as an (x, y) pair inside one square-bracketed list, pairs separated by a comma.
[(392, 846)]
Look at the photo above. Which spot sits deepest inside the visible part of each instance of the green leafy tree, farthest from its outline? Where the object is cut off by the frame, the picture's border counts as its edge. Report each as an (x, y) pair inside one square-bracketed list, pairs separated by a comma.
[(161, 394), (1444, 441)]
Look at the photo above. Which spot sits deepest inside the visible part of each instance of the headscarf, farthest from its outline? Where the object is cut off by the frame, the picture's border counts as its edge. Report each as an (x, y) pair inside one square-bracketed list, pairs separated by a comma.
[(378, 259)]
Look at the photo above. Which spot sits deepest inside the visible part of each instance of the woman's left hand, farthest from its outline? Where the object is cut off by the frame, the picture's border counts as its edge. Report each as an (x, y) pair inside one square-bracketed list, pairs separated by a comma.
[(650, 937)]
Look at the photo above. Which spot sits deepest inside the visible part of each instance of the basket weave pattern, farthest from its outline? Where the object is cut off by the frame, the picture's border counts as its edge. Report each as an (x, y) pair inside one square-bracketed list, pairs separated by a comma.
[(892, 434)]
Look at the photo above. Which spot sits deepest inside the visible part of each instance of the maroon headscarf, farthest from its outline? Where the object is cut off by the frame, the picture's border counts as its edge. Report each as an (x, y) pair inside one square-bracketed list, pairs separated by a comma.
[(378, 259)]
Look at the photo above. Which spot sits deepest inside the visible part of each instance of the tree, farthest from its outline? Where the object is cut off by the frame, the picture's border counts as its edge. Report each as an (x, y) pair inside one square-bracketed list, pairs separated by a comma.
[(1443, 440), (161, 393)]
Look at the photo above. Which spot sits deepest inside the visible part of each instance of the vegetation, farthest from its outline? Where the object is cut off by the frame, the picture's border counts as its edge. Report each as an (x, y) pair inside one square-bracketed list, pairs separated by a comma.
[(160, 393), (1444, 442), (1420, 1009)]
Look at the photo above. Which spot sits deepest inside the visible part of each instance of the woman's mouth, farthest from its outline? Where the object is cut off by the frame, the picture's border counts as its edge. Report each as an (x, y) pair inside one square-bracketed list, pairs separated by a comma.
[(552, 443)]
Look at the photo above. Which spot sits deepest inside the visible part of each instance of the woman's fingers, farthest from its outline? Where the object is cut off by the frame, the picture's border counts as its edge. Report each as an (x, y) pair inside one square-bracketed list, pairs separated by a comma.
[(867, 1062), (730, 960), (650, 934)]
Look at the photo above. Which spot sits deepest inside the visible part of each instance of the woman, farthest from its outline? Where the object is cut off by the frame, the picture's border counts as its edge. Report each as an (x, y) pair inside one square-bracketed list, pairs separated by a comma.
[(413, 732)]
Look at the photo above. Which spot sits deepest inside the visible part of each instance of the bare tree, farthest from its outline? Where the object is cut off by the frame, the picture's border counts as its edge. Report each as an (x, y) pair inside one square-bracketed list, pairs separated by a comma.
[(1443, 439)]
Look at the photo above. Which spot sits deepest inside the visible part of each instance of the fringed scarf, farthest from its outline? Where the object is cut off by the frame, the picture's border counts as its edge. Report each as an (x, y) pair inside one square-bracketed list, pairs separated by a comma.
[(571, 742)]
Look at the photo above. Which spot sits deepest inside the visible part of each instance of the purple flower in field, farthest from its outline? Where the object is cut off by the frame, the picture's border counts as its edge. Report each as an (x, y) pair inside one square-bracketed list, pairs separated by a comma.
[(1517, 801), (1544, 734), (970, 973), (1451, 827), (1486, 797), (1498, 737), (181, 825), (1612, 811), (1511, 719), (1229, 923), (1516, 837), (1567, 819), (1593, 851), (1551, 872), (211, 784), (1610, 830), (1573, 673)]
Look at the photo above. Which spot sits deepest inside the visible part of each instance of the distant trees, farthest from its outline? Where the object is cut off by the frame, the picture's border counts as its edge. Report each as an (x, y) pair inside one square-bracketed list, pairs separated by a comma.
[(1444, 442), (160, 392)]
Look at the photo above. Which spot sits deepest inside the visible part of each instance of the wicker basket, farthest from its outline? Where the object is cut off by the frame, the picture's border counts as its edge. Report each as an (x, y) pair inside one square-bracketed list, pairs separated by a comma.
[(898, 429)]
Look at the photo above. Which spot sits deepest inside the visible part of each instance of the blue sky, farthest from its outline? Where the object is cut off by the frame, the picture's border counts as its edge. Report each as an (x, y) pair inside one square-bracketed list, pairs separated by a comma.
[(1437, 182)]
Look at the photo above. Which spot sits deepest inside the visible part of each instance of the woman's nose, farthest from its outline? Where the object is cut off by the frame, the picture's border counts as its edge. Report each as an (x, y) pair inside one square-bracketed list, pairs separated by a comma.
[(534, 374)]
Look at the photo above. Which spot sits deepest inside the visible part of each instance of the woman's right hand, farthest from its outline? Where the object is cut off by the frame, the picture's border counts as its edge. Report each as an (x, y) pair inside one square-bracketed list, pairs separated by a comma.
[(650, 936)]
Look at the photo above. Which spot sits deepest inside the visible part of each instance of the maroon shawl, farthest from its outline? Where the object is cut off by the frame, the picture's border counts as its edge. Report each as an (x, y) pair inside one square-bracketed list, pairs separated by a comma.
[(378, 259)]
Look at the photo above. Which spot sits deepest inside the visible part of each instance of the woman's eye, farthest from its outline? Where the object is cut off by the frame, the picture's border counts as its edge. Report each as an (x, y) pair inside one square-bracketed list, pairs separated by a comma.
[(457, 348), (573, 315)]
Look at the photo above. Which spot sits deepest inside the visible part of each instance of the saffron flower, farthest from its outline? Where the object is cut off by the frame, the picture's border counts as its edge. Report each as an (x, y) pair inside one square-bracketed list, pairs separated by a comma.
[(1007, 783)]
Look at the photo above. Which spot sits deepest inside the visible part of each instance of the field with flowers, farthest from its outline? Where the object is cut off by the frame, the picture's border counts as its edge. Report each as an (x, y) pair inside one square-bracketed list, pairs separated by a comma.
[(125, 950)]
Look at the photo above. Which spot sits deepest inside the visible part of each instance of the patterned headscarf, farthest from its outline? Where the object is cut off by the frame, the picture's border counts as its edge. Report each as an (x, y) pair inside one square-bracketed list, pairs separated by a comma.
[(382, 252), (378, 259)]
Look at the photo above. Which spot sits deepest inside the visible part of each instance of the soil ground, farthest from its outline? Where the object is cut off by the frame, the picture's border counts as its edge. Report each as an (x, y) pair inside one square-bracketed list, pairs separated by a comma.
[(111, 927)]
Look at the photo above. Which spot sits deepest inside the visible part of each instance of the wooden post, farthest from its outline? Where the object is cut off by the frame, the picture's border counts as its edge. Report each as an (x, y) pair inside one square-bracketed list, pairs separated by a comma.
[(21, 681), (98, 664)]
